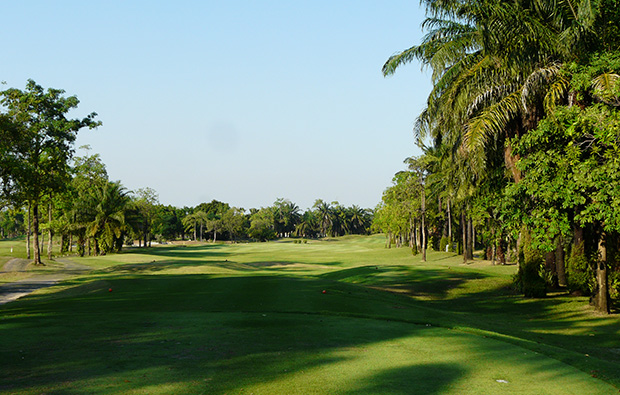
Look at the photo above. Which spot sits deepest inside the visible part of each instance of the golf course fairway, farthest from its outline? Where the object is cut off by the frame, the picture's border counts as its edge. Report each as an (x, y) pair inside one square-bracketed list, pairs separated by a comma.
[(338, 316)]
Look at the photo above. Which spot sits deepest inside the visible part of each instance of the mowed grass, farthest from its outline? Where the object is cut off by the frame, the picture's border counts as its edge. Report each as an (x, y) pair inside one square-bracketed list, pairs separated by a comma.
[(253, 318)]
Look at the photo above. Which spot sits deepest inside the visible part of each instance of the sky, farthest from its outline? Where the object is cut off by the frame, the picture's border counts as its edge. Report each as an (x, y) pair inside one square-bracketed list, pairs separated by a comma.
[(239, 101)]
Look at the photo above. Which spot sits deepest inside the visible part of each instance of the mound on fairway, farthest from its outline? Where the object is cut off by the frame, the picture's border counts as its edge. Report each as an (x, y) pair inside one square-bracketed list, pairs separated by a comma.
[(191, 322)]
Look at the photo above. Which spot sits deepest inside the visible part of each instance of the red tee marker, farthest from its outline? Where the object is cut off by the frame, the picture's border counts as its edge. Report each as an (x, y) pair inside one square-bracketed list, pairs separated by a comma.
[(110, 290), (324, 291)]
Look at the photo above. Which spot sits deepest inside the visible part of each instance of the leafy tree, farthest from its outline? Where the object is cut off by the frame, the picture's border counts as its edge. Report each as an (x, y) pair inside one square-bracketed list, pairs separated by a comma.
[(43, 147), (167, 222), (262, 225), (145, 203), (233, 221)]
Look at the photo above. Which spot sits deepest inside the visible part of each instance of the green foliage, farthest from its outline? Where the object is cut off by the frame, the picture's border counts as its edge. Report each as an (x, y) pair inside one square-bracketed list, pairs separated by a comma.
[(579, 273), (445, 242), (528, 279), (262, 225)]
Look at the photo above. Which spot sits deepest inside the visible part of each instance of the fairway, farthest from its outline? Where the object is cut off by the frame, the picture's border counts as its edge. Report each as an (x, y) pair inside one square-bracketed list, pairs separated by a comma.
[(333, 316)]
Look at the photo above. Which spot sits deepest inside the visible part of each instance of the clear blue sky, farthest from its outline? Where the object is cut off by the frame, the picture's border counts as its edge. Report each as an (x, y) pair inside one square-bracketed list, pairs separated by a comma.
[(239, 101)]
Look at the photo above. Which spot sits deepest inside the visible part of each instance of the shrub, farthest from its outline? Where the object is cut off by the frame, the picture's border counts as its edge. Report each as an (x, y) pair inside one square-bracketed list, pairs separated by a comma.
[(579, 276), (445, 241), (528, 280)]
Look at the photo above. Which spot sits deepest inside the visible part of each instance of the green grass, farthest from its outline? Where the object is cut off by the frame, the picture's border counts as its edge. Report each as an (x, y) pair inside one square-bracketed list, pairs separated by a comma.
[(253, 318)]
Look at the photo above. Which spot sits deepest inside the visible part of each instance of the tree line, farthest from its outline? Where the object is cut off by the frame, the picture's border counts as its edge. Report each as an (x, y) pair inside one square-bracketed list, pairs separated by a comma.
[(49, 193), (520, 138)]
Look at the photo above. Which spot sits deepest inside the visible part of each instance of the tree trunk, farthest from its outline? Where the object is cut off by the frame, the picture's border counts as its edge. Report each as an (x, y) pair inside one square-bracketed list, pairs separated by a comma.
[(578, 233), (145, 235), (470, 241), (411, 234), (418, 237), (423, 225), (28, 234), (35, 233), (464, 227), (423, 239), (600, 298), (49, 231), (449, 221), (560, 267)]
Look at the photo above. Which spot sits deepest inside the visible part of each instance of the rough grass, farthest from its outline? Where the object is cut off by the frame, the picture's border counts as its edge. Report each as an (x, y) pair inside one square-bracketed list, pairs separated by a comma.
[(253, 318)]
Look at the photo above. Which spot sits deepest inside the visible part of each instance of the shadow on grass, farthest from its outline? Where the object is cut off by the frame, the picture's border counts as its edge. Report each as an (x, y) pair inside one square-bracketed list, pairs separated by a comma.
[(428, 378), (213, 335), (182, 251), (200, 333), (204, 330), (406, 280)]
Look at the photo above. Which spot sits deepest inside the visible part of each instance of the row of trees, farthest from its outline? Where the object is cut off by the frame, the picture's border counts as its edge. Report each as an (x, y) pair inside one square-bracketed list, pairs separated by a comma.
[(46, 191), (521, 134)]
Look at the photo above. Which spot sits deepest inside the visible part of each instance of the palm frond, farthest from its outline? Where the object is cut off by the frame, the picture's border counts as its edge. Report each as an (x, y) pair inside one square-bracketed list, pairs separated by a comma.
[(492, 120)]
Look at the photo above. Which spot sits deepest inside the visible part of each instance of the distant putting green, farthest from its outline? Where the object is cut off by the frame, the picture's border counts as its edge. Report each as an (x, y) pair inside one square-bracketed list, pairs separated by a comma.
[(340, 316)]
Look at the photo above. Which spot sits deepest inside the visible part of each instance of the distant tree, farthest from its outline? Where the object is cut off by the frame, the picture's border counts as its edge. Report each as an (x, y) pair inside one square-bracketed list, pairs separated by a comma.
[(233, 221), (262, 225), (167, 222), (109, 204), (40, 155), (308, 225), (145, 202), (286, 216), (325, 216)]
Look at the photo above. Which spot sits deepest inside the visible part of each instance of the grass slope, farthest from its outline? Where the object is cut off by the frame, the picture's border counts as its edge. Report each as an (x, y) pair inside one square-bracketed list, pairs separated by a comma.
[(253, 318)]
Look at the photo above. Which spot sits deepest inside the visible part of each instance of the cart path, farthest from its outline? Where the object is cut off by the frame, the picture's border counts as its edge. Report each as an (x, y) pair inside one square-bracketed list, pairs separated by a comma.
[(15, 290)]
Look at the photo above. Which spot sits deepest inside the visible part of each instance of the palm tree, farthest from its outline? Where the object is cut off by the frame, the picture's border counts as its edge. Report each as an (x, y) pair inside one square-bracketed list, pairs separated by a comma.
[(108, 205), (325, 216), (495, 65)]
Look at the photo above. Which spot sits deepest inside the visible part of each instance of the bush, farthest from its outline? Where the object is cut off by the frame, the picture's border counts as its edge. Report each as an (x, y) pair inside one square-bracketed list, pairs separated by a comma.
[(579, 276), (528, 280), (445, 241)]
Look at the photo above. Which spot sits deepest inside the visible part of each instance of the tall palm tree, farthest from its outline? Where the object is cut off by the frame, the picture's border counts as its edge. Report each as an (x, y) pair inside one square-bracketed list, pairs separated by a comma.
[(495, 65), (325, 216)]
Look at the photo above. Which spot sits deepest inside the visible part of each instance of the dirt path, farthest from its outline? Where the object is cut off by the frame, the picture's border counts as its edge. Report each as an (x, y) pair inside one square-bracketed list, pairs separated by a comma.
[(15, 290)]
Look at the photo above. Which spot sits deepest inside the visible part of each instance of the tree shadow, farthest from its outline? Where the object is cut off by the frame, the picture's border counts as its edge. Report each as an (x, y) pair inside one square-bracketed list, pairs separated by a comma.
[(406, 280)]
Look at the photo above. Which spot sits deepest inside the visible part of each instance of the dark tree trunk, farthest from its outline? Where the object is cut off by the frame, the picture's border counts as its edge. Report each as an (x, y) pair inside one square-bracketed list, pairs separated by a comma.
[(550, 266), (423, 225), (560, 266), (449, 221), (501, 257), (470, 239), (145, 235), (600, 298), (35, 233), (49, 231), (28, 232), (464, 228)]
